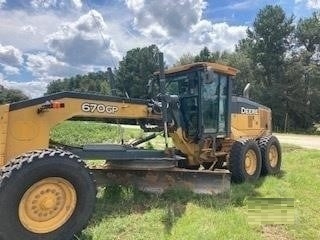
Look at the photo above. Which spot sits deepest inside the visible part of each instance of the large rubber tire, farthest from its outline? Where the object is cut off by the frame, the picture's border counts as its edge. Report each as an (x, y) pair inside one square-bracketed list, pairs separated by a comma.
[(237, 161), (27, 170), (270, 148)]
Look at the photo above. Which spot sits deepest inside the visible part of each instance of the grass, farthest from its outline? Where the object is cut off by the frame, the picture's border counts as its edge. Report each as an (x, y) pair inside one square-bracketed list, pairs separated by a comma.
[(126, 213), (77, 133)]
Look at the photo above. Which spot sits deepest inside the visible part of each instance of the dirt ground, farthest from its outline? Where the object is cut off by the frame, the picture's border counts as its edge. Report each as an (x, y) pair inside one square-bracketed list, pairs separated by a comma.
[(305, 141)]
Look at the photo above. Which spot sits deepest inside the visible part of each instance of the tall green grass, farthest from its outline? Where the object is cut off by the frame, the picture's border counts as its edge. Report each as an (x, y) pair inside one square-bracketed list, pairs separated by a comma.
[(78, 133), (126, 213)]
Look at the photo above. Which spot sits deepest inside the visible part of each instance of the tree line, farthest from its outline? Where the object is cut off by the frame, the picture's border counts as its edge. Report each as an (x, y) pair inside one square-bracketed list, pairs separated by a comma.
[(11, 95), (91, 82)]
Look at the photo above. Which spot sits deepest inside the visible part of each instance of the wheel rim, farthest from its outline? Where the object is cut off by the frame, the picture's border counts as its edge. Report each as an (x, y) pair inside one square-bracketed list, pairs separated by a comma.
[(273, 156), (251, 162), (47, 205)]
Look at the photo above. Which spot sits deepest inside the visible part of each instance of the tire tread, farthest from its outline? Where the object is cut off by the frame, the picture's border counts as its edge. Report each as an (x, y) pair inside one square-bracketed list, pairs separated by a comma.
[(19, 163)]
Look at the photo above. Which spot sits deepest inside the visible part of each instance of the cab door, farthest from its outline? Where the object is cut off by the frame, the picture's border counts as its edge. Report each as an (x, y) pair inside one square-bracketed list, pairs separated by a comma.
[(214, 104)]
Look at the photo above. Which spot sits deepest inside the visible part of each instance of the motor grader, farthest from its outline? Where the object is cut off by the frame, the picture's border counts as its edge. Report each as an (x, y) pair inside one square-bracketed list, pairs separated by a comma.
[(48, 191)]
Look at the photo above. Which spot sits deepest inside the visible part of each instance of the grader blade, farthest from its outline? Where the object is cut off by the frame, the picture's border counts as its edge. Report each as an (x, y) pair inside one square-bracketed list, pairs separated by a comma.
[(157, 181)]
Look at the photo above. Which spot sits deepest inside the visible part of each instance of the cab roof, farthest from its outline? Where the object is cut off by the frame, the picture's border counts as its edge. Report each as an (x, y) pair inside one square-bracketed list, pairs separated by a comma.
[(224, 69)]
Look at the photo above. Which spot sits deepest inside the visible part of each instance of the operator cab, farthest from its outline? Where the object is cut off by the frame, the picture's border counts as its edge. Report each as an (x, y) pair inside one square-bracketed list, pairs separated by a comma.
[(204, 91)]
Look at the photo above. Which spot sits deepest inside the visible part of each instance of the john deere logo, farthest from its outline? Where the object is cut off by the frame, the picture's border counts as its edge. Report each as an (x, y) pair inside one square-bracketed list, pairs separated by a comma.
[(249, 111)]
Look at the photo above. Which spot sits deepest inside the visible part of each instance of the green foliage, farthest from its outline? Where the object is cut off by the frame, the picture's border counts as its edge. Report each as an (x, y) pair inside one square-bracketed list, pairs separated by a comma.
[(149, 145), (308, 32), (91, 82), (77, 133), (11, 95), (284, 74), (205, 55), (308, 36), (269, 41), (135, 70), (185, 59), (243, 63)]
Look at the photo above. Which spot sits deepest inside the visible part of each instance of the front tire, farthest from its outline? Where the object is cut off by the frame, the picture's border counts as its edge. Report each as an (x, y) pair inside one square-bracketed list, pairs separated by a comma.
[(47, 194), (245, 161)]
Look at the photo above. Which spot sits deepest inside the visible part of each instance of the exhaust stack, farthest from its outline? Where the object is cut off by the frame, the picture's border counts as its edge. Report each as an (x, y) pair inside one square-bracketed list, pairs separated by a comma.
[(246, 91)]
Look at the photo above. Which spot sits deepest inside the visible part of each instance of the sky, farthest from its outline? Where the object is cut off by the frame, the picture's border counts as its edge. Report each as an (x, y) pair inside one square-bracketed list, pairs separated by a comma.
[(44, 40)]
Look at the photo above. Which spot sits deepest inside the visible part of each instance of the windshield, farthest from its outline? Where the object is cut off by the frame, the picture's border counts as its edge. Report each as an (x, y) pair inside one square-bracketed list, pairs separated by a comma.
[(183, 84)]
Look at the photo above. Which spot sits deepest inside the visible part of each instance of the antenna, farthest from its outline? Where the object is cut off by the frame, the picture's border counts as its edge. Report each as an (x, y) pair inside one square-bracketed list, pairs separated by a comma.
[(112, 83), (99, 29)]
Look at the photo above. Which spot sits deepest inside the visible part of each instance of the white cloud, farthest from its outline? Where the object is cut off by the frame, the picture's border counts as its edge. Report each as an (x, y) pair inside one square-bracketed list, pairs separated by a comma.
[(76, 48), (48, 67), (29, 29), (217, 36), (172, 24), (44, 3), (9, 70), (77, 3), (81, 43), (16, 28), (61, 45), (62, 4), (2, 3), (32, 89), (313, 4), (135, 5), (9, 55), (165, 18), (56, 4)]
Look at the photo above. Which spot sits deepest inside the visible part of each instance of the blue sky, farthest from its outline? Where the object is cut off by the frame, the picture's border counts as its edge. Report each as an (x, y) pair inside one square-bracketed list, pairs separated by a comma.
[(244, 12), (43, 40)]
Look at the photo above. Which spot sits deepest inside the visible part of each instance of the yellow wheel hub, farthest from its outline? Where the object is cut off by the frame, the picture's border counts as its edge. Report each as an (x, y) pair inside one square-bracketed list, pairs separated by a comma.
[(47, 205), (251, 162), (273, 156)]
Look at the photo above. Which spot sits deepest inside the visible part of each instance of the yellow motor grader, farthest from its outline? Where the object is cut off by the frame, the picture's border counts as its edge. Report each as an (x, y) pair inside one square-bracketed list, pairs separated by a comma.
[(48, 191)]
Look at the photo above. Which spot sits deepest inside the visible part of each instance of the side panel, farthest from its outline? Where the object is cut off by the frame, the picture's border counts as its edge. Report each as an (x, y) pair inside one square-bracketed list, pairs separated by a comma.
[(251, 125), (249, 119)]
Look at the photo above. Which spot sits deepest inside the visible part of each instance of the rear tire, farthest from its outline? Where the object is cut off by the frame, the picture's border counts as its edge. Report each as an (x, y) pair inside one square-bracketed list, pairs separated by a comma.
[(245, 161), (271, 155), (47, 194)]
